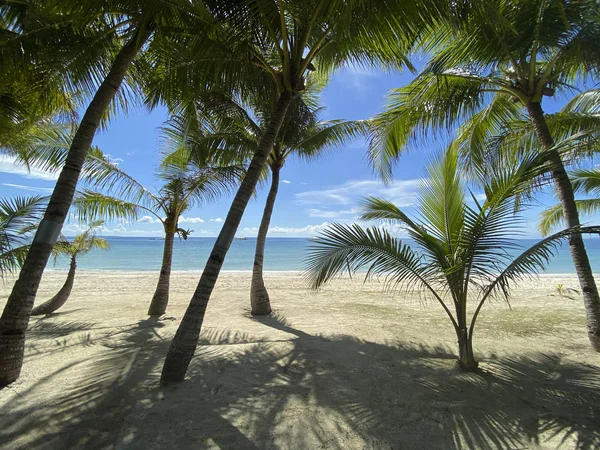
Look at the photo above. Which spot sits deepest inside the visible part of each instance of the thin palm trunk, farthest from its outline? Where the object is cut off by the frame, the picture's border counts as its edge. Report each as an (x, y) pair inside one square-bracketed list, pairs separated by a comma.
[(581, 261), (466, 359), (158, 306), (259, 297), (62, 296), (184, 343), (15, 317)]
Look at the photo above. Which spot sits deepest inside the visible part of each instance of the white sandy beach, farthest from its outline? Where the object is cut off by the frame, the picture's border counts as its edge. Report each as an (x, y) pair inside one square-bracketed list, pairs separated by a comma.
[(349, 367)]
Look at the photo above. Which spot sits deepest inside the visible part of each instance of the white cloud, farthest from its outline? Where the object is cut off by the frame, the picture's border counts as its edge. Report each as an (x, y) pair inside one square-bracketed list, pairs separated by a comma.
[(218, 219), (286, 181), (183, 219), (148, 219), (327, 214), (400, 192), (306, 231), (28, 188), (8, 164), (118, 230)]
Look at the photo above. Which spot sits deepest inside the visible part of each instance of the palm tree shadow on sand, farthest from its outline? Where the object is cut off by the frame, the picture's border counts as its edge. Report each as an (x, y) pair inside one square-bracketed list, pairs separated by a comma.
[(307, 391)]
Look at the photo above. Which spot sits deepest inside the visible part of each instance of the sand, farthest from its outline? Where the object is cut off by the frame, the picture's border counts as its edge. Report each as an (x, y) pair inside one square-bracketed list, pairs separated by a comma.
[(350, 367)]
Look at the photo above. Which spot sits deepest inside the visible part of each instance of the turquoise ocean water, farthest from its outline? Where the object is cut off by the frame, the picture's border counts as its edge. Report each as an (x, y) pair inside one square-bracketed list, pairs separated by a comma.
[(282, 254)]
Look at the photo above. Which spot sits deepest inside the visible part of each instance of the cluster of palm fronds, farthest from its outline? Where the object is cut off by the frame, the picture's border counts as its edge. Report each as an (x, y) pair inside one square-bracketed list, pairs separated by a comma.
[(19, 218)]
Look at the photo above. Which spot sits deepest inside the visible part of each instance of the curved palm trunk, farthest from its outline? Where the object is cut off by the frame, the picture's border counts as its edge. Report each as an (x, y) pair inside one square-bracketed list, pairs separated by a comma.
[(61, 297), (185, 341), (15, 317), (158, 306), (581, 261), (259, 297)]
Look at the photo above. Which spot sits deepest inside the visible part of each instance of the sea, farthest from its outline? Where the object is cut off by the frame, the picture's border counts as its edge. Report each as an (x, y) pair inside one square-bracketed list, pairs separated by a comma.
[(281, 255)]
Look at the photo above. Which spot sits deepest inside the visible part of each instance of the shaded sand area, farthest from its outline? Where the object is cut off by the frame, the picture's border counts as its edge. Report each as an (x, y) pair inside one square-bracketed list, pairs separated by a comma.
[(346, 368)]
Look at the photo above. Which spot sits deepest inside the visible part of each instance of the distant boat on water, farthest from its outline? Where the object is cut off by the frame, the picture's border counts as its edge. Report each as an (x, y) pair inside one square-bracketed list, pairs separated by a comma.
[(242, 238)]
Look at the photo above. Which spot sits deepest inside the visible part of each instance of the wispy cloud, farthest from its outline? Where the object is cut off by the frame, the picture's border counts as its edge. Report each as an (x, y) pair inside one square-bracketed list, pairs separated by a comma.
[(28, 188), (331, 214), (218, 219), (112, 159), (8, 164), (400, 192), (306, 231), (357, 78), (183, 219), (286, 181)]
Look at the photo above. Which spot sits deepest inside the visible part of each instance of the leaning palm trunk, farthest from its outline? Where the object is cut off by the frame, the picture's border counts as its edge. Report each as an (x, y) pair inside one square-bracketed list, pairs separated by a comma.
[(184, 343), (259, 297), (61, 297), (15, 317), (158, 306), (581, 261)]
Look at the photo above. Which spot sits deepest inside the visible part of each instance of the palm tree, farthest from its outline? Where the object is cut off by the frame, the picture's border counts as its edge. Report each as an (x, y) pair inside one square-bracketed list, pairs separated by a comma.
[(496, 59), (285, 39), (82, 244), (238, 127), (301, 135), (456, 254), (186, 182), (88, 47), (18, 219)]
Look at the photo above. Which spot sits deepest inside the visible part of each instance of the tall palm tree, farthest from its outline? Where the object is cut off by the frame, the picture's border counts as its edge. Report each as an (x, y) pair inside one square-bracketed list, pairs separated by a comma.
[(19, 217), (455, 257), (499, 57), (301, 135), (88, 47), (185, 183), (237, 126), (284, 39), (82, 244)]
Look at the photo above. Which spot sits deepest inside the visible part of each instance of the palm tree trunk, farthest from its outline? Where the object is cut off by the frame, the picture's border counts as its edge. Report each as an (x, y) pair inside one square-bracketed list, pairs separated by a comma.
[(62, 296), (15, 317), (158, 306), (185, 341), (259, 297), (581, 261), (466, 359)]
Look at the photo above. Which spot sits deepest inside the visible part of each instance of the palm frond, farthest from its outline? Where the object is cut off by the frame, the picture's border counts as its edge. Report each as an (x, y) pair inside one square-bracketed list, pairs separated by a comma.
[(330, 134), (553, 217), (426, 106), (90, 205)]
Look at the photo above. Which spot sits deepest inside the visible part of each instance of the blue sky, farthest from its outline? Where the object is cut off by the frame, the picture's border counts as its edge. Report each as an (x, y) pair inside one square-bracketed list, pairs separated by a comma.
[(311, 195)]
